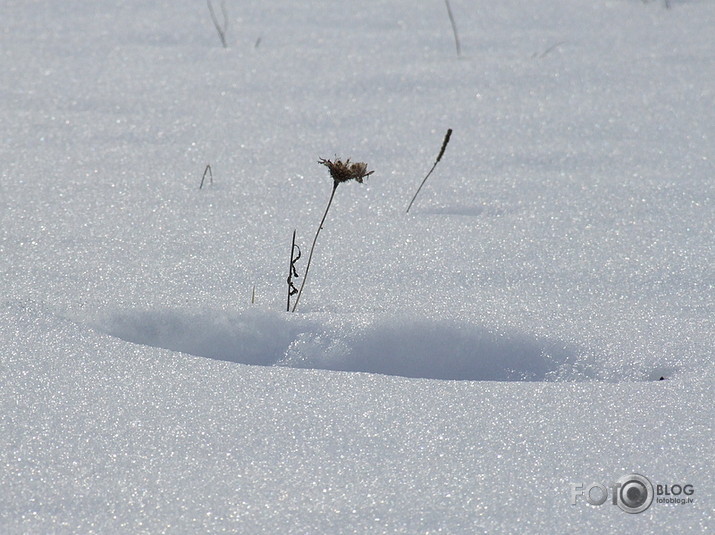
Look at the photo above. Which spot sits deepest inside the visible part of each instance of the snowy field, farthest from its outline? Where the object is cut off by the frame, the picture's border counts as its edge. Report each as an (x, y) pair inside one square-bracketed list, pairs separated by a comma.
[(458, 369)]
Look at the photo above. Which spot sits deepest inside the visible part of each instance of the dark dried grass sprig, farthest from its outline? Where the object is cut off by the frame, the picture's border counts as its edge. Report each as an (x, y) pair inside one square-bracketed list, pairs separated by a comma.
[(220, 28), (295, 255), (454, 29), (207, 172), (445, 142)]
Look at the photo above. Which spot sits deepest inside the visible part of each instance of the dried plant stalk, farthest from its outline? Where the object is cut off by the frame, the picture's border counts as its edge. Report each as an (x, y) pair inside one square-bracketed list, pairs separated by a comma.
[(210, 174), (292, 271), (439, 157), (221, 30), (340, 172), (454, 29)]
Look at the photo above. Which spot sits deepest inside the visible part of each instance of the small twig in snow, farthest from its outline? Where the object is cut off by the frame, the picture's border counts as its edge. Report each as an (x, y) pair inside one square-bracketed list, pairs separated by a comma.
[(220, 29), (292, 271), (454, 29), (210, 174), (549, 50)]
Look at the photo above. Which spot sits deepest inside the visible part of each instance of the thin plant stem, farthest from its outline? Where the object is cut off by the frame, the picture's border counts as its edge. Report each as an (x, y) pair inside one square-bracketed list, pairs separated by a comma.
[(420, 188), (210, 175), (454, 29), (439, 157), (221, 30), (292, 271), (312, 247), (549, 50)]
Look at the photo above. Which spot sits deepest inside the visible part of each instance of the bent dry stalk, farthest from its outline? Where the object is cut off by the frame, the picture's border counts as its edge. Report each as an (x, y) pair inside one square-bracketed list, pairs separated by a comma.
[(210, 174), (292, 271), (340, 172), (221, 29), (454, 29)]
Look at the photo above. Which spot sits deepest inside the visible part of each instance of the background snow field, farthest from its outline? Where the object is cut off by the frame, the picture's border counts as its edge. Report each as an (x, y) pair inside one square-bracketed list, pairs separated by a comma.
[(513, 326)]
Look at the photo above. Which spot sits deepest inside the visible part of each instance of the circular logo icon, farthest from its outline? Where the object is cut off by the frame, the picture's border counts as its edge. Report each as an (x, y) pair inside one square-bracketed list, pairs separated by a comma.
[(635, 493)]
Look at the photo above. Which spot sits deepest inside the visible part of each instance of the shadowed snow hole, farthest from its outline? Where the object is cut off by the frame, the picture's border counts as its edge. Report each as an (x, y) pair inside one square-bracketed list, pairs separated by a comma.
[(391, 346)]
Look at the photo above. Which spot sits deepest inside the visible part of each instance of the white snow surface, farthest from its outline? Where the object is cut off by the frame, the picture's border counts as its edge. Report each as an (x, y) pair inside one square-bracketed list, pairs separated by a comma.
[(451, 370)]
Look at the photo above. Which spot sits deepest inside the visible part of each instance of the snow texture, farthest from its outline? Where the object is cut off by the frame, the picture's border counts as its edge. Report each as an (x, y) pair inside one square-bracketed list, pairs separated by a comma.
[(451, 370)]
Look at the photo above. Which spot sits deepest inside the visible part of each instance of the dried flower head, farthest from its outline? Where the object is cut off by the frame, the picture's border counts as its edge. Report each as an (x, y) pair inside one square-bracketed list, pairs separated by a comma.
[(345, 171), (341, 171)]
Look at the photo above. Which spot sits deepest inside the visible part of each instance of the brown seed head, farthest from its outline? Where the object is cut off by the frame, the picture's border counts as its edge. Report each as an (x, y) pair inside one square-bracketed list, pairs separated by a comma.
[(345, 171)]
